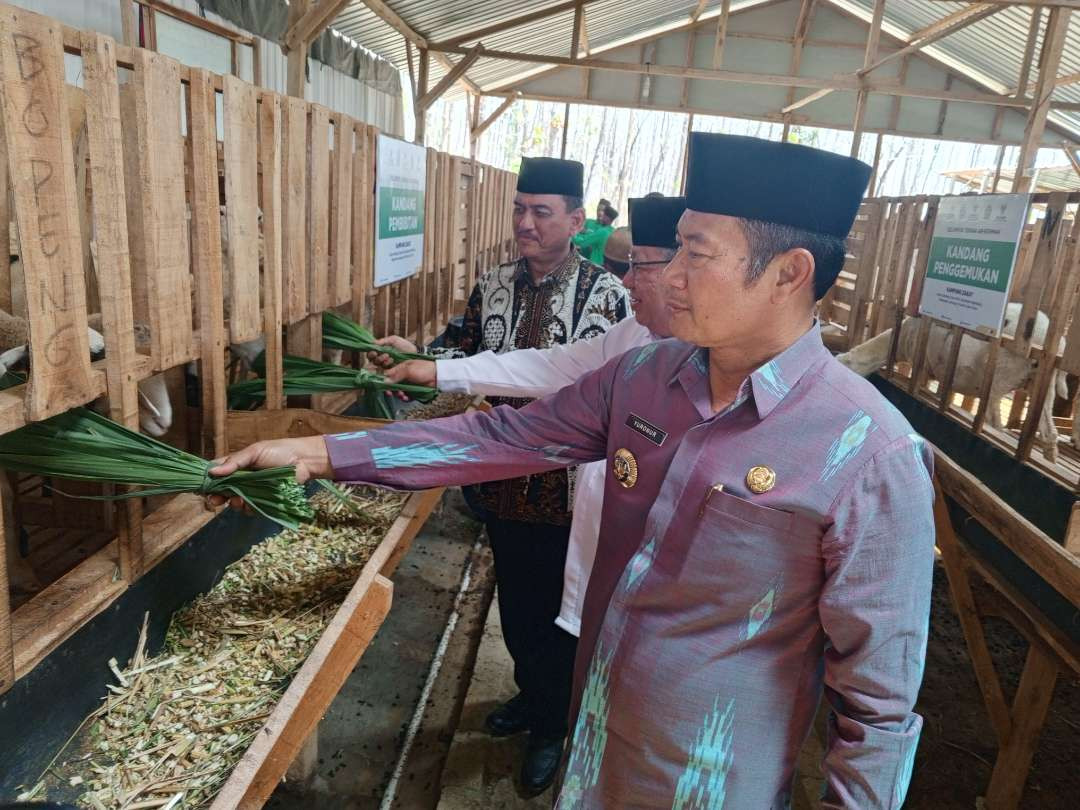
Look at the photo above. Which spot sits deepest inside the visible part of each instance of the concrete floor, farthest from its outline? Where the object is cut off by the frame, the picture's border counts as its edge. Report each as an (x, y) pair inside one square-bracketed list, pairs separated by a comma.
[(360, 739)]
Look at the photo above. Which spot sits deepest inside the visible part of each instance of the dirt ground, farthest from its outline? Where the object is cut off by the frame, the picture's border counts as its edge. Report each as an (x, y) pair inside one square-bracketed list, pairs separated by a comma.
[(958, 745)]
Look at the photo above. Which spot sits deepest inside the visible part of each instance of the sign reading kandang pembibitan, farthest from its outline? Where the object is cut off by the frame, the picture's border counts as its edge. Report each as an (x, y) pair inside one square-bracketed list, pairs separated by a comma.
[(972, 255), (400, 185)]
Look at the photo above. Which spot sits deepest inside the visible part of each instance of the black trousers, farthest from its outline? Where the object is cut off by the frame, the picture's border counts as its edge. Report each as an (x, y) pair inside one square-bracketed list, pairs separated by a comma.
[(529, 562)]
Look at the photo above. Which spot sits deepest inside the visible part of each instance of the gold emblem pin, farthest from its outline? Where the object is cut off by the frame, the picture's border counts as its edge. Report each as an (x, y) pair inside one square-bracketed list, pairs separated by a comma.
[(760, 480), (624, 467)]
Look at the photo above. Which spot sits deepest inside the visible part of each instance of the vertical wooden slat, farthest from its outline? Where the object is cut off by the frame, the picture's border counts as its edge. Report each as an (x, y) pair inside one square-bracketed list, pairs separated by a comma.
[(294, 209), (272, 205), (341, 216), (362, 225), (110, 221), (113, 267), (206, 258), (241, 208), (1065, 280), (318, 208), (163, 210), (43, 180), (1042, 269)]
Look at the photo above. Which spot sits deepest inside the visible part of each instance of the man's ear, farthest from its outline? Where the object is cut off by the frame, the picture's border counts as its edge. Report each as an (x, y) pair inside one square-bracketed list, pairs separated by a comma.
[(794, 274), (577, 219)]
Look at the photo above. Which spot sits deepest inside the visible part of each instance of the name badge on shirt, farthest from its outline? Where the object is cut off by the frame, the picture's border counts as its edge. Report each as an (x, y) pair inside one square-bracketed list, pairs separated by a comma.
[(646, 429)]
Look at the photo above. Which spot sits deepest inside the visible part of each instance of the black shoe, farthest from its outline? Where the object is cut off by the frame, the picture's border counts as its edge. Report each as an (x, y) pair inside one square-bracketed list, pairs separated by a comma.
[(542, 758), (510, 718)]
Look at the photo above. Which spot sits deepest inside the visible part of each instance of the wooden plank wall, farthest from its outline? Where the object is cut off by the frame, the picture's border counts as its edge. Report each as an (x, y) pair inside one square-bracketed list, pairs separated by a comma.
[(882, 283), (196, 243)]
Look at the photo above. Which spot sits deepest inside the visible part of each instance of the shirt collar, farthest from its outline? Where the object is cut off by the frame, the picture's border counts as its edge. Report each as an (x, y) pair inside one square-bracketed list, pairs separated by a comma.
[(769, 383), (557, 276)]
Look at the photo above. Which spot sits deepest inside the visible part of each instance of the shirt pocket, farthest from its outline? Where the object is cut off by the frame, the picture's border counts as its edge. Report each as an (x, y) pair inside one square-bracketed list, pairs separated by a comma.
[(739, 546)]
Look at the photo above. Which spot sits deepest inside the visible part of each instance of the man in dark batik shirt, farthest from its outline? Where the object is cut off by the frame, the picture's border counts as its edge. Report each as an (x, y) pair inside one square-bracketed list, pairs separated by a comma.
[(551, 295)]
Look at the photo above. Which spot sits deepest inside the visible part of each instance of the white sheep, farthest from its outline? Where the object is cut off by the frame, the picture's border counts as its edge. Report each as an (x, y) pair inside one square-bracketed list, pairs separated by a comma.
[(1012, 371)]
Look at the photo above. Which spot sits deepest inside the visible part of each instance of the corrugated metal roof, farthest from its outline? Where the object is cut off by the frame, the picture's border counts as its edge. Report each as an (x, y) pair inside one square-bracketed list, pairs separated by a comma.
[(989, 51)]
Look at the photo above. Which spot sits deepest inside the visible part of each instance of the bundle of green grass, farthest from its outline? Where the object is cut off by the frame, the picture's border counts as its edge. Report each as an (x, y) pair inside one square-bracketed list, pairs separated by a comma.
[(341, 333), (83, 445), (304, 377)]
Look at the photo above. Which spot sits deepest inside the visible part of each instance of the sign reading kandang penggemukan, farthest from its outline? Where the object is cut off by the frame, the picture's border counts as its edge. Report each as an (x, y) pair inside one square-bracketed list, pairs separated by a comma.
[(400, 186), (971, 259)]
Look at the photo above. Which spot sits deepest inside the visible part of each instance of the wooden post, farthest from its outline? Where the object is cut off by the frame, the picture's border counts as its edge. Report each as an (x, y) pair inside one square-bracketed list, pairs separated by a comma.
[(7, 640), (129, 22), (721, 34), (421, 89), (1057, 26), (802, 26), (686, 153), (869, 58), (297, 57)]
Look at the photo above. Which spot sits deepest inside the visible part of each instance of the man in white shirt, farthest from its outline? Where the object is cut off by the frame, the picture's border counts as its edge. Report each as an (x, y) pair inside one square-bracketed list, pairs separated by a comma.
[(539, 372)]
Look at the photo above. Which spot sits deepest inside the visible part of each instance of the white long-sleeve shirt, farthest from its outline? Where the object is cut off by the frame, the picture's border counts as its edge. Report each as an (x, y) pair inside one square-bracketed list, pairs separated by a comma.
[(537, 373)]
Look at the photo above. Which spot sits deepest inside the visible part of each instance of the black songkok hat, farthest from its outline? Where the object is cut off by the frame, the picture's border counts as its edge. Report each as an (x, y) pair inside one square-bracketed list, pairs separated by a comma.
[(654, 221), (551, 176), (777, 182)]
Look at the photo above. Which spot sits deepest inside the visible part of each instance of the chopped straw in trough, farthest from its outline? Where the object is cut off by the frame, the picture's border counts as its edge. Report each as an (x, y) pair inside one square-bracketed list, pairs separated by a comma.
[(341, 333), (304, 377), (83, 445), (176, 724)]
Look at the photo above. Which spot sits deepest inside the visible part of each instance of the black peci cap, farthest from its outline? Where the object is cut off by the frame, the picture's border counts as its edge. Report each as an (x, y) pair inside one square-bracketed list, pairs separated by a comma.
[(654, 221), (777, 182), (551, 176)]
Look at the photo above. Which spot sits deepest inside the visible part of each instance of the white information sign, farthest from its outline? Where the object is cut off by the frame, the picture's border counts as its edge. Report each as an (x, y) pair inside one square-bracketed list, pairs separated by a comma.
[(971, 259), (400, 184)]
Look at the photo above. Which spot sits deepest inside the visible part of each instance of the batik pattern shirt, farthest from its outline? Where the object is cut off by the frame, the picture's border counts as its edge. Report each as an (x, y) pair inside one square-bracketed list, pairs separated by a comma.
[(716, 615), (508, 310)]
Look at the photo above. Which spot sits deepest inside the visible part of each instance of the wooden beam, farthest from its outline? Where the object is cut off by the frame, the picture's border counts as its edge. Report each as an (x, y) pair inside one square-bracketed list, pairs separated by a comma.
[(1057, 26), (696, 13), (575, 37), (721, 34), (1029, 52), (421, 88), (798, 41), (585, 47), (429, 98), (565, 129), (196, 21), (948, 19), (869, 56), (974, 15), (980, 12), (1068, 147), (802, 102), (412, 65), (848, 82), (482, 127), (506, 25), (312, 23), (691, 43), (381, 10), (1068, 78)]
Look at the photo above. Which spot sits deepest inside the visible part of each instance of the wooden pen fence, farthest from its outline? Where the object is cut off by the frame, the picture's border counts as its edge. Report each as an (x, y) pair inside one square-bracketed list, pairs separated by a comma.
[(120, 196), (882, 282)]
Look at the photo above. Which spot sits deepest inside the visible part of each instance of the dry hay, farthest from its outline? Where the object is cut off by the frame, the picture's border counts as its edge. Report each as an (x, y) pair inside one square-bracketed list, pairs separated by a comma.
[(174, 725), (445, 404)]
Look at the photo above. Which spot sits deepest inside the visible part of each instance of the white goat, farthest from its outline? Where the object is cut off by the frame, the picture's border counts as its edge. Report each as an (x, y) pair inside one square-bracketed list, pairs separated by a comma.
[(1012, 370)]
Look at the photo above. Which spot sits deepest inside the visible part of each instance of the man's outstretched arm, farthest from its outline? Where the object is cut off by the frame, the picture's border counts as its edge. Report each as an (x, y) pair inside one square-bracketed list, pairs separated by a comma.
[(565, 429)]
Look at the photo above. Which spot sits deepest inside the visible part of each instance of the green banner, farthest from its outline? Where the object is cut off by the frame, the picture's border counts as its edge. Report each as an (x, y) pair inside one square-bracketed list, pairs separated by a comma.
[(971, 263), (401, 212)]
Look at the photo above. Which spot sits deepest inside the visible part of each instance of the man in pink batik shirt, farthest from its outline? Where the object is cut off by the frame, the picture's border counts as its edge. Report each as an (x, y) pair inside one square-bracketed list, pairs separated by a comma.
[(767, 531)]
